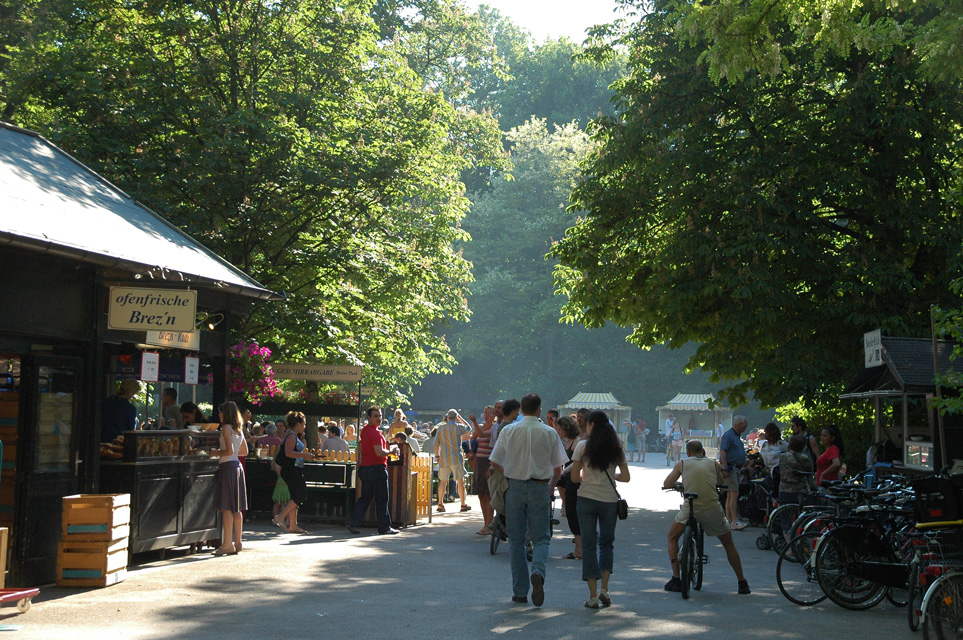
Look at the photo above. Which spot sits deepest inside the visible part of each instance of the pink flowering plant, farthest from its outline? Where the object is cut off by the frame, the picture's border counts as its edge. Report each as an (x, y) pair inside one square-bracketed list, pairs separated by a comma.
[(250, 373)]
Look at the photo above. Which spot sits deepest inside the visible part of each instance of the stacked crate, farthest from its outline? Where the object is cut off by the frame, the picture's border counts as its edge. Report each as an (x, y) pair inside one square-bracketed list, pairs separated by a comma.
[(9, 412), (93, 550)]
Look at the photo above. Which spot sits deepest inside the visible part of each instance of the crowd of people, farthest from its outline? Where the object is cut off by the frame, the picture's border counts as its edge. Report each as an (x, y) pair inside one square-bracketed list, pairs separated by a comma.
[(519, 461)]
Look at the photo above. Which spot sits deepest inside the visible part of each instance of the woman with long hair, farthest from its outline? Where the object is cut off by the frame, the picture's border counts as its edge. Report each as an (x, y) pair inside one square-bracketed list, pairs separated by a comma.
[(290, 456), (230, 491), (599, 462)]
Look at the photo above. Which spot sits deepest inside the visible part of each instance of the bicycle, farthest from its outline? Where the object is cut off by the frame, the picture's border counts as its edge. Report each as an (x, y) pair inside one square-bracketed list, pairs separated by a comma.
[(691, 545), (796, 570), (942, 610)]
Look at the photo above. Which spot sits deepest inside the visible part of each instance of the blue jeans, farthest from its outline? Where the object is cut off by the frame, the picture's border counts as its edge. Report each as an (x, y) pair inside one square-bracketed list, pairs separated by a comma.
[(597, 520), (374, 484), (527, 506)]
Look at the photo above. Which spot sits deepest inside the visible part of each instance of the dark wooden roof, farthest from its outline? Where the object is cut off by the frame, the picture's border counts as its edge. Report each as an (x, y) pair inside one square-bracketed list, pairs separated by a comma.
[(907, 368)]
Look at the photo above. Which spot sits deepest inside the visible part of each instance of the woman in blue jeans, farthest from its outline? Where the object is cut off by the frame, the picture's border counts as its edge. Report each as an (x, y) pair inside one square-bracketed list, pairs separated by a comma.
[(599, 461)]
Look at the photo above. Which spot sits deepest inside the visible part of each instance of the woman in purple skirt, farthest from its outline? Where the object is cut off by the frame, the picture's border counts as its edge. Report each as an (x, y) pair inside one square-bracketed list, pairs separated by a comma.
[(230, 492)]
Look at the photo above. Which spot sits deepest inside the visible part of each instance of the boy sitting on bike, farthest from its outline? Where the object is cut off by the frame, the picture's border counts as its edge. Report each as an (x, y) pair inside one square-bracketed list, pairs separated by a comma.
[(701, 475)]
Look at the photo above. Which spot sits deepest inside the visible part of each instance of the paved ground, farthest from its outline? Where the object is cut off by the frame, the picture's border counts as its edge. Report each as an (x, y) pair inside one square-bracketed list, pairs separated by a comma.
[(439, 581)]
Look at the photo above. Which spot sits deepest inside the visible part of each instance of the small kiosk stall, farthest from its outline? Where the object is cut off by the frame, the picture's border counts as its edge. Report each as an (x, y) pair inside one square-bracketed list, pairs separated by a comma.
[(332, 481), (699, 415), (170, 477), (899, 377), (96, 289), (616, 411)]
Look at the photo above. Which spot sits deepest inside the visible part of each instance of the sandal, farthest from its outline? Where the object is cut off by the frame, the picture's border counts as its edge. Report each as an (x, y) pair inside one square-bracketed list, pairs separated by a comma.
[(238, 547), (223, 551), (298, 531), (441, 508), (569, 556), (465, 507), (278, 524)]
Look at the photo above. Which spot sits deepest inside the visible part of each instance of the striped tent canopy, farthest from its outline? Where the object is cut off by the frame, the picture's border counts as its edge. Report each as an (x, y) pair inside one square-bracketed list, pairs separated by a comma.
[(690, 402), (594, 401)]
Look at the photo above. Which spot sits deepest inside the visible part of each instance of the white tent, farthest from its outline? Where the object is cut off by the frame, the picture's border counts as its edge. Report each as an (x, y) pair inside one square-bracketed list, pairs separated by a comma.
[(693, 411), (606, 402)]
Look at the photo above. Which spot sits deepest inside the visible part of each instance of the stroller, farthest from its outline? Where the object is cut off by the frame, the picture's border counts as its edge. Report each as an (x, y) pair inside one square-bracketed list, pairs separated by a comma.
[(756, 491)]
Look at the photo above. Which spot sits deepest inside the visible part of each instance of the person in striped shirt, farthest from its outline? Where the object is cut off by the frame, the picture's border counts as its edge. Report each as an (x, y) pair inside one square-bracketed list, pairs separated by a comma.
[(451, 458)]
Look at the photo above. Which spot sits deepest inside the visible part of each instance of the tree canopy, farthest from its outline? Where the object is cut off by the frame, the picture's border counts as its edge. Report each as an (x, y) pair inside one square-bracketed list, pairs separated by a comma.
[(772, 220), (310, 145)]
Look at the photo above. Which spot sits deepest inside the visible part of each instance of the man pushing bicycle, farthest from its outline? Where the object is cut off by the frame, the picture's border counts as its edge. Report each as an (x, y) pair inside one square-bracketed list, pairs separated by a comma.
[(700, 475)]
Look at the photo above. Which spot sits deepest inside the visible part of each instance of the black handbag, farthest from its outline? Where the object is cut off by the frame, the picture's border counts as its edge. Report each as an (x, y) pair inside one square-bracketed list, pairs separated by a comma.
[(621, 506)]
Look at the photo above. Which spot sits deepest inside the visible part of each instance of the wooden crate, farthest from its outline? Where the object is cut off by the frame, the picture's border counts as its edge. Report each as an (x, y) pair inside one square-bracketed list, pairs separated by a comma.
[(91, 564), (96, 518)]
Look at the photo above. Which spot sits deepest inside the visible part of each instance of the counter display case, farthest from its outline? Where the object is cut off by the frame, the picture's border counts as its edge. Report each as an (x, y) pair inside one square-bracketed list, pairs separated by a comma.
[(170, 477)]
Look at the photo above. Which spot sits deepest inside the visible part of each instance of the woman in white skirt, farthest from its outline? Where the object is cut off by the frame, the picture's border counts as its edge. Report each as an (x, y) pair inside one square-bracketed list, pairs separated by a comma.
[(230, 491)]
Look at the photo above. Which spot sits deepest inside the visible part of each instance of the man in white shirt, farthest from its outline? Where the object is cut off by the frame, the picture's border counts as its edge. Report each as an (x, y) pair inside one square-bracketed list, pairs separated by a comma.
[(531, 455)]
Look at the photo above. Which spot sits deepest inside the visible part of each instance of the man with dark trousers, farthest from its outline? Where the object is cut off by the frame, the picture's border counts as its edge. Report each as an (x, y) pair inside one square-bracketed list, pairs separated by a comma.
[(373, 474)]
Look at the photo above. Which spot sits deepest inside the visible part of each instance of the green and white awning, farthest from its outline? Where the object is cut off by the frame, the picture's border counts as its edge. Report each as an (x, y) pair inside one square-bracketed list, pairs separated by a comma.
[(690, 402), (586, 400)]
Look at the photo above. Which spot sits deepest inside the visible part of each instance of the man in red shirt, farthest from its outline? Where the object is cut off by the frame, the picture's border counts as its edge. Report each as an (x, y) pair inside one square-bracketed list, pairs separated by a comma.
[(373, 474)]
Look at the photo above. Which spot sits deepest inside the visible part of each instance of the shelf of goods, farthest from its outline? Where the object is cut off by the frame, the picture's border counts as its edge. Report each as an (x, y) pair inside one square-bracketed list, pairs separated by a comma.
[(170, 477)]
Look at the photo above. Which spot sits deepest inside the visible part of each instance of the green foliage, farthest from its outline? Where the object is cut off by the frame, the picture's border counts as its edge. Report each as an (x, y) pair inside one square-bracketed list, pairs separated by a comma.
[(295, 139), (515, 343), (949, 324), (772, 221), (739, 39), (549, 80), (854, 420)]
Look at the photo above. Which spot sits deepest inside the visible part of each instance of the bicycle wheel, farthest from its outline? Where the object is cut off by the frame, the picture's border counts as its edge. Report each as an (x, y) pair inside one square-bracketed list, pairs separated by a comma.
[(835, 560), (796, 573), (686, 557), (496, 536), (943, 609), (914, 597), (775, 530), (699, 557)]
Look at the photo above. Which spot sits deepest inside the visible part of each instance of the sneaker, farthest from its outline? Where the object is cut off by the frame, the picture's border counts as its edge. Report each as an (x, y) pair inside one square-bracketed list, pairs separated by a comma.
[(738, 525), (674, 585), (538, 589), (353, 529), (744, 587), (592, 603), (520, 599), (389, 532), (604, 598)]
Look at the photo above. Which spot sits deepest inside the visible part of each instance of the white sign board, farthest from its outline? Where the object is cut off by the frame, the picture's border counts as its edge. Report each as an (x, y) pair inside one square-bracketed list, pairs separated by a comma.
[(190, 340), (149, 366), (873, 348), (316, 372), (151, 309), (192, 369)]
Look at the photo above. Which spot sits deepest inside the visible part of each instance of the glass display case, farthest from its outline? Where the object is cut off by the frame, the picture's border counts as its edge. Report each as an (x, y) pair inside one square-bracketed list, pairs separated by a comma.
[(918, 455), (169, 445)]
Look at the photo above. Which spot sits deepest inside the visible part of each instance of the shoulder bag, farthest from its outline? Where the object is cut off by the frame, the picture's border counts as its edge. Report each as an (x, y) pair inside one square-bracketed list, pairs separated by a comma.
[(621, 506)]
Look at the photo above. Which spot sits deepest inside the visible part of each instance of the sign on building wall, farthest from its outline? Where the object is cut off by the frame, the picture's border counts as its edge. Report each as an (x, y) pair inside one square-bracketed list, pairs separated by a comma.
[(150, 366), (192, 369), (873, 348), (316, 372), (151, 309), (190, 340)]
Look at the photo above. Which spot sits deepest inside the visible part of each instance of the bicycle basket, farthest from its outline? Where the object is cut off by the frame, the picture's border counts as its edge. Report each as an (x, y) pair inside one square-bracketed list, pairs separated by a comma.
[(937, 500)]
